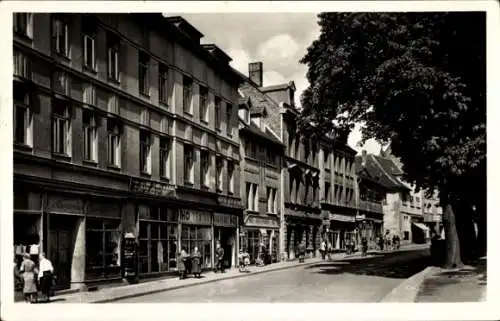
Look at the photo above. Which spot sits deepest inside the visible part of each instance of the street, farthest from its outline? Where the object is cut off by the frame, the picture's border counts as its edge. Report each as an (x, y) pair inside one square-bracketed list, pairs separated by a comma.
[(347, 280)]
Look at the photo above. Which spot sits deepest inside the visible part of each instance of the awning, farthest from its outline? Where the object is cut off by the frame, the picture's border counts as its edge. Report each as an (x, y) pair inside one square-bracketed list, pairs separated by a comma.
[(423, 227)]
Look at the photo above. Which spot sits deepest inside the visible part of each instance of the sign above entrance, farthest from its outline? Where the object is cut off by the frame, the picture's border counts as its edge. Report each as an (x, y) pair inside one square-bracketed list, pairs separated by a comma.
[(152, 188), (261, 222), (195, 217), (342, 218), (225, 220)]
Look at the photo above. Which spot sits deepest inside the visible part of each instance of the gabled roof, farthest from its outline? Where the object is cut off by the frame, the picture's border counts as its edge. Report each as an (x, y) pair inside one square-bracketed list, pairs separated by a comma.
[(378, 170), (258, 110), (259, 100), (217, 52), (185, 26), (285, 86), (253, 129)]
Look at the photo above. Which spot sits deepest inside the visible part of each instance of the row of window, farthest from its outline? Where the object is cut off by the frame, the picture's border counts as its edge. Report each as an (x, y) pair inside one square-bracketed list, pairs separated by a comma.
[(252, 198), (310, 191), (23, 24), (251, 148)]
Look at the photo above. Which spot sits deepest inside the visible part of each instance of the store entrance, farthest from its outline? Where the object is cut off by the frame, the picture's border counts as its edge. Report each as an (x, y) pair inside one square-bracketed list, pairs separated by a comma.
[(61, 245), (227, 241)]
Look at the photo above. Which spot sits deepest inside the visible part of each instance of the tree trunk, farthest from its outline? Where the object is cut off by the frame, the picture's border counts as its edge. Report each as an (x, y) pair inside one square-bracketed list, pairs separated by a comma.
[(452, 259)]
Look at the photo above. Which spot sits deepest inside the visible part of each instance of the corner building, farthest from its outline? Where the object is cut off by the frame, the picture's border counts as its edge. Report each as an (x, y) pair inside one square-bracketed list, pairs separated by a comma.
[(123, 123)]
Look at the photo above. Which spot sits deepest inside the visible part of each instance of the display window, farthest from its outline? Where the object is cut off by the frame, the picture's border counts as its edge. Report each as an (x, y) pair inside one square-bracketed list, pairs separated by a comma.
[(102, 243), (201, 237)]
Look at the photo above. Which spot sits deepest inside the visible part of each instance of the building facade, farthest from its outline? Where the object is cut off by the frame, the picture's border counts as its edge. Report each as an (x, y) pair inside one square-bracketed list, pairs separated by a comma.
[(123, 123), (261, 154)]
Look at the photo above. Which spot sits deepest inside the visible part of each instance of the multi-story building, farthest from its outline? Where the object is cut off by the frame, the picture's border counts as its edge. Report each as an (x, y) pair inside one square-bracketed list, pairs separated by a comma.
[(300, 212), (261, 153), (338, 191), (123, 123)]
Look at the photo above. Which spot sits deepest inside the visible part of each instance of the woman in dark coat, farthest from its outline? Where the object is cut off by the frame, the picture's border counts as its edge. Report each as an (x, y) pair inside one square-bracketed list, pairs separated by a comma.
[(196, 262), (183, 257), (302, 252), (29, 273)]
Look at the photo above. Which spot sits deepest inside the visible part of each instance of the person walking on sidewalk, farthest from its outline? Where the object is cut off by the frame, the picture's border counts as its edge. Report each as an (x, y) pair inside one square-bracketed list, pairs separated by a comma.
[(322, 249), (196, 262), (329, 250), (45, 276), (219, 258), (302, 252), (182, 263), (29, 272), (364, 246)]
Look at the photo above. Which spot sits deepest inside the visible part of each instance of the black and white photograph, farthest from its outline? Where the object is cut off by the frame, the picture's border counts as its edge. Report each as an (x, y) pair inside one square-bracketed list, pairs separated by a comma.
[(173, 155)]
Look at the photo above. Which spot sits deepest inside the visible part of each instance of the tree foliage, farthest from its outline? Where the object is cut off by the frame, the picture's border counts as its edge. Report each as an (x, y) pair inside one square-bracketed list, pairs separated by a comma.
[(416, 80)]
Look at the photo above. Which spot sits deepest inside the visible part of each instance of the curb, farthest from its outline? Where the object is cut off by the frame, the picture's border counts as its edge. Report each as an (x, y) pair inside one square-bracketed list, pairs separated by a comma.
[(407, 290), (181, 286)]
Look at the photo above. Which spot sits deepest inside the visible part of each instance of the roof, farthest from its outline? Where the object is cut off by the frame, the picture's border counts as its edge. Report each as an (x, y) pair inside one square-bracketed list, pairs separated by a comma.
[(253, 129), (184, 25), (257, 110), (278, 87), (378, 170), (217, 52), (259, 100), (389, 165)]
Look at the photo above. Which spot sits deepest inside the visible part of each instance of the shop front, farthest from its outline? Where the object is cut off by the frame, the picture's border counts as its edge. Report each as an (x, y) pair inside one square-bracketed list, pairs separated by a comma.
[(300, 230), (342, 231), (226, 232), (197, 231), (370, 228), (259, 233)]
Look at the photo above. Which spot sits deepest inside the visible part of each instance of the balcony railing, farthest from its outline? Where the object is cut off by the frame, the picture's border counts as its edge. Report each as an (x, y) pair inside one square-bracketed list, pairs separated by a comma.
[(370, 206)]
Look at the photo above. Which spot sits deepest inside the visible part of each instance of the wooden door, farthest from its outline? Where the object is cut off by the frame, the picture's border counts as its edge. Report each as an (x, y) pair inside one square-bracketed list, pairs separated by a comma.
[(61, 248)]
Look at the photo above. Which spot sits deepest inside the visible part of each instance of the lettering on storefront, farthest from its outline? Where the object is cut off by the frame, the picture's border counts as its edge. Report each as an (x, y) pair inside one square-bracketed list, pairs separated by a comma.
[(153, 188), (103, 209), (225, 220), (195, 217), (229, 201), (261, 222), (65, 204), (342, 218)]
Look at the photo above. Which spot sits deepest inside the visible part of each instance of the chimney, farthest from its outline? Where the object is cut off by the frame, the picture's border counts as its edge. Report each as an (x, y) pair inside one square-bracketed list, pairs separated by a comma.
[(255, 72), (363, 158)]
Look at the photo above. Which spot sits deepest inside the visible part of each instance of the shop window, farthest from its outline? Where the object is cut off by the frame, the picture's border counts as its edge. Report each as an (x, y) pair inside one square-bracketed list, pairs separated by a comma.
[(102, 243), (201, 237), (157, 245)]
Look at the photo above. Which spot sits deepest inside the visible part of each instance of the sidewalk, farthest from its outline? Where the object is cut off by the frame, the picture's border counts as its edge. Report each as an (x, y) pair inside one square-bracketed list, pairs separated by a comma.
[(460, 285), (116, 293)]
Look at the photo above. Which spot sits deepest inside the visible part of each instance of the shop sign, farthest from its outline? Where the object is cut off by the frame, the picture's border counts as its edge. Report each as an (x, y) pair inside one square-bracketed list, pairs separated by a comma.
[(342, 218), (153, 188), (61, 203), (261, 222), (195, 217), (103, 209), (229, 201), (225, 220)]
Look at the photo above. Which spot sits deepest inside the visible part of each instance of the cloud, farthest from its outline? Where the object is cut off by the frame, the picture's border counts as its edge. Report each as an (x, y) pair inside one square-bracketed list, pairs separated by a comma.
[(273, 77), (240, 61), (280, 51), (371, 146)]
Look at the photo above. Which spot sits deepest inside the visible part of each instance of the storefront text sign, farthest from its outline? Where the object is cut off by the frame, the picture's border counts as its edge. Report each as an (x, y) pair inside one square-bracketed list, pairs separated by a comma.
[(341, 218), (225, 220), (261, 222), (65, 204), (153, 188), (229, 201), (195, 217)]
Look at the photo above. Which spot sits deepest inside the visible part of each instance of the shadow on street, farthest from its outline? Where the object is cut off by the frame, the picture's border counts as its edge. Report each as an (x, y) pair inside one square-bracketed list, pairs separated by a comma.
[(397, 265)]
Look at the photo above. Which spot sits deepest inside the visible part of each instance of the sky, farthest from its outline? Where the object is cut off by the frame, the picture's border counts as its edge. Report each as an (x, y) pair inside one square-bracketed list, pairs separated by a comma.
[(278, 40)]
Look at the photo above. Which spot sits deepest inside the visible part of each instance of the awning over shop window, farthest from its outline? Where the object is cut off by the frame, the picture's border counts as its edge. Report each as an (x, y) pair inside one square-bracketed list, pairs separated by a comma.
[(423, 227)]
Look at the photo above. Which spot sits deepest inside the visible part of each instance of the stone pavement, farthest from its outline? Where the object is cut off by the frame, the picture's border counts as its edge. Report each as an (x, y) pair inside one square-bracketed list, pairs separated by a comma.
[(171, 283), (459, 285)]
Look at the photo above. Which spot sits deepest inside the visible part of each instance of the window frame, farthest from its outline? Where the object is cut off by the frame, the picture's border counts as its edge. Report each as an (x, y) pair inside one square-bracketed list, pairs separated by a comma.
[(188, 164), (203, 101), (90, 132), (205, 168), (143, 73), (217, 111), (163, 84), (165, 157), (25, 106), (57, 23), (113, 51), (89, 65), (64, 121), (27, 30), (230, 175), (145, 143), (114, 143), (187, 95), (219, 174), (229, 120)]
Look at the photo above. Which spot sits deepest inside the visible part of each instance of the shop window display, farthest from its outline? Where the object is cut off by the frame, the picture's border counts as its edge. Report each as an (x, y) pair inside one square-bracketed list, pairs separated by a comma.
[(201, 237), (102, 243)]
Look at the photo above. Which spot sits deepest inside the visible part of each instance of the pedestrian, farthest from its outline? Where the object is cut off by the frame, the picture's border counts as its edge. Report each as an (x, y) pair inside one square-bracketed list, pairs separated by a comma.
[(45, 276), (322, 249), (196, 262), (329, 249), (364, 246), (302, 252), (182, 263), (219, 258), (29, 272)]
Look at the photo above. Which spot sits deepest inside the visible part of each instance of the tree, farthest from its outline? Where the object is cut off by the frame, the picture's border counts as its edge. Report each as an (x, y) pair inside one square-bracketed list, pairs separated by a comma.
[(416, 80)]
